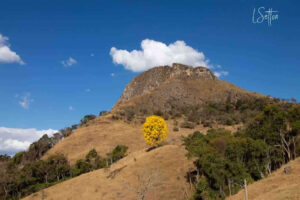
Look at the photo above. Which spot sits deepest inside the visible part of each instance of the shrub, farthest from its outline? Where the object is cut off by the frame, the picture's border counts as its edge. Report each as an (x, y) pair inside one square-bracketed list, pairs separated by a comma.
[(207, 123), (86, 118), (119, 152), (17, 158), (4, 158), (187, 124), (158, 113), (103, 112), (129, 113), (175, 129), (81, 166)]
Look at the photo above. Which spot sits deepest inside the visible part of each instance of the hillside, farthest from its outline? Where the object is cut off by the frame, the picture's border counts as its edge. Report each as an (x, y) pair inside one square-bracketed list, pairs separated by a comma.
[(174, 89), (165, 166), (103, 134), (278, 186), (177, 86), (186, 97)]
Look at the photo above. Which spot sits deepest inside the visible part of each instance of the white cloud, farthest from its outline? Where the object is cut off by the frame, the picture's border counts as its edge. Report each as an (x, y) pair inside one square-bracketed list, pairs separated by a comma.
[(6, 54), (69, 62), (70, 108), (154, 53), (112, 74), (25, 101), (13, 140), (221, 73)]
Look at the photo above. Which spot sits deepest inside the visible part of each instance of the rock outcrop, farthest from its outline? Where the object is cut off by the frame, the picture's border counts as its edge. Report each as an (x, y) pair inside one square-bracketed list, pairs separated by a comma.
[(154, 77)]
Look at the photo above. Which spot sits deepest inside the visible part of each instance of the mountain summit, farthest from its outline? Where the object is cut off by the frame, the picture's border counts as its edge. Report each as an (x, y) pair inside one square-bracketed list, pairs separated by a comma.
[(155, 77), (174, 90)]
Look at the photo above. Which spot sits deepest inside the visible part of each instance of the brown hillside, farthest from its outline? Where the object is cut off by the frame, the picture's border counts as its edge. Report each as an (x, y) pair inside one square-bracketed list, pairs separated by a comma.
[(278, 186), (104, 134), (162, 88), (166, 167)]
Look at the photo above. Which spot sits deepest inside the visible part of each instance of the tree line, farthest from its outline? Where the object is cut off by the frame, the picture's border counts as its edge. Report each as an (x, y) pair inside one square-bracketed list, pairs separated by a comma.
[(17, 181), (224, 160)]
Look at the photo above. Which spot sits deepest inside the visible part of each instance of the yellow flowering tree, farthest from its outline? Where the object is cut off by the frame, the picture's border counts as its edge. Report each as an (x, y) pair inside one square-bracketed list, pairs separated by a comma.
[(155, 130)]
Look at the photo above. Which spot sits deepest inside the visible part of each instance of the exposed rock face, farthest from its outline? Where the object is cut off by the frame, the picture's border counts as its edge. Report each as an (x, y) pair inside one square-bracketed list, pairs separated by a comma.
[(154, 77)]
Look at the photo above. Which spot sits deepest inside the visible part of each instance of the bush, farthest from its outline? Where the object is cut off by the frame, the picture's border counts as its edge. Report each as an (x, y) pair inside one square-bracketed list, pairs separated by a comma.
[(175, 129), (17, 158), (4, 158), (119, 152), (187, 124), (129, 113), (229, 122), (81, 166), (103, 112), (86, 118), (207, 123), (158, 113)]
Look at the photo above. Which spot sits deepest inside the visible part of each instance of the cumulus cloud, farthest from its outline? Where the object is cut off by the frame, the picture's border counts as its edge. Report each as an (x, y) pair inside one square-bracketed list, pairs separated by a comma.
[(13, 140), (154, 53), (220, 73), (69, 62), (26, 100), (6, 54)]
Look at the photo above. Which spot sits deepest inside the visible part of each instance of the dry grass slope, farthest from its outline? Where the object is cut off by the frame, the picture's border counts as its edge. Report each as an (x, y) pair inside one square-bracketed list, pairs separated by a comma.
[(180, 87), (278, 186), (168, 163), (104, 134)]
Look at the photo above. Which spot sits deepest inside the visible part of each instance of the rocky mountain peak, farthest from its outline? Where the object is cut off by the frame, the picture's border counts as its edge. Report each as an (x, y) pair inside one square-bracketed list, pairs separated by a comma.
[(154, 77)]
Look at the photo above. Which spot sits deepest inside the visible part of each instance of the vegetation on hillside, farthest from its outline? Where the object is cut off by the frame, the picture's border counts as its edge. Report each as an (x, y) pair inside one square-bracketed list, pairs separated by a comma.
[(224, 160), (17, 180), (230, 112), (38, 148)]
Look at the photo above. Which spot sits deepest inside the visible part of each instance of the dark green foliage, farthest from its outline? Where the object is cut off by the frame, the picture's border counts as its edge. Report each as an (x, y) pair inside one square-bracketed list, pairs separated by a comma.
[(229, 112), (224, 160), (17, 158), (17, 181), (119, 152), (277, 126), (86, 118), (4, 158), (81, 166), (103, 112)]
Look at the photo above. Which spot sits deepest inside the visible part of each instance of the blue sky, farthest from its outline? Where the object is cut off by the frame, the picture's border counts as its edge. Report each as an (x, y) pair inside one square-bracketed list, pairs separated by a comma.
[(45, 93)]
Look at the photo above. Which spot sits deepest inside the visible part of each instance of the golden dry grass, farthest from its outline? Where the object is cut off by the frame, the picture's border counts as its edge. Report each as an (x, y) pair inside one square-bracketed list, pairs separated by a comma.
[(168, 163), (278, 186), (104, 134)]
